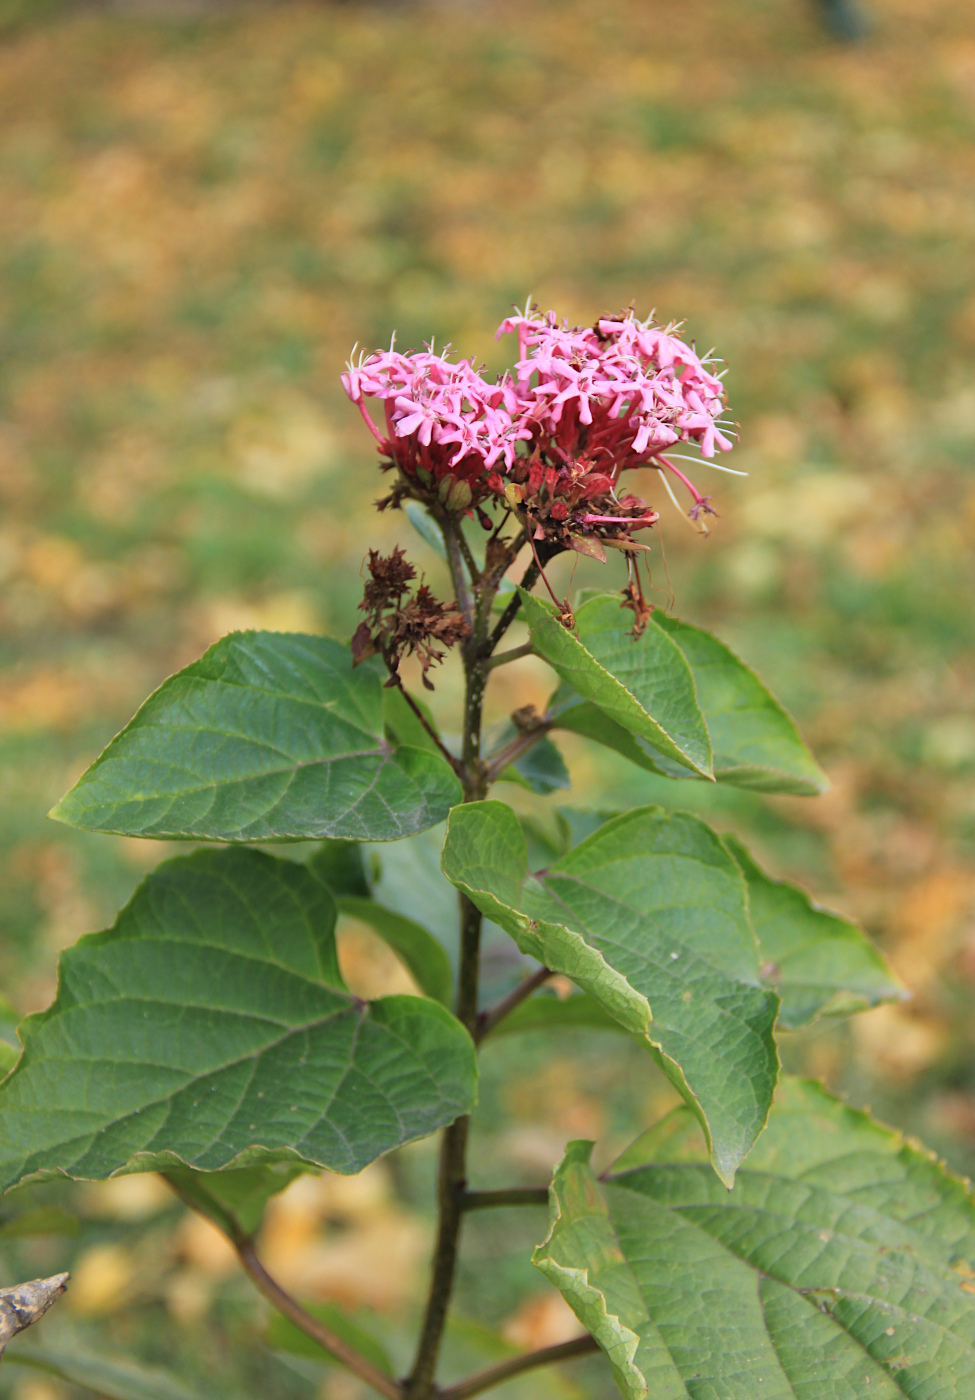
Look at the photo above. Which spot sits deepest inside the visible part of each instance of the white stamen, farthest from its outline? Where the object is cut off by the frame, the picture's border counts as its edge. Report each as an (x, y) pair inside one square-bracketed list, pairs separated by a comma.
[(706, 462)]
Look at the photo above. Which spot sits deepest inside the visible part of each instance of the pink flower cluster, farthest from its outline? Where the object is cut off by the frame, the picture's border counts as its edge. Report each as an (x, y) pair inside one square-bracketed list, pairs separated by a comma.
[(443, 419), (634, 386), (583, 405)]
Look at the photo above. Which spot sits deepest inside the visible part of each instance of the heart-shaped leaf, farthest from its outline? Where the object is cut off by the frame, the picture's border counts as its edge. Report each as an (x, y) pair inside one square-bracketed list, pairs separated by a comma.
[(648, 915), (819, 963), (270, 736), (210, 1028), (645, 685), (840, 1265)]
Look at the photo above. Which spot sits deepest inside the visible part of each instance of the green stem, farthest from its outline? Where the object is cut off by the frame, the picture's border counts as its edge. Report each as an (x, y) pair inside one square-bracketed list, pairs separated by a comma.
[(515, 749), (494, 1375), (487, 1020), (504, 657), (511, 611), (452, 1172)]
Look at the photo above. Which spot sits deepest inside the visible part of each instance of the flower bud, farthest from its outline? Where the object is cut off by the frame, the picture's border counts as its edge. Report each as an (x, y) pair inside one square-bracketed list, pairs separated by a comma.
[(459, 496)]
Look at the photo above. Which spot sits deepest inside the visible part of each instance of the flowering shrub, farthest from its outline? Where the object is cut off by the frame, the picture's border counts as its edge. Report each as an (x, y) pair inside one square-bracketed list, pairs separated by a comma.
[(762, 1238)]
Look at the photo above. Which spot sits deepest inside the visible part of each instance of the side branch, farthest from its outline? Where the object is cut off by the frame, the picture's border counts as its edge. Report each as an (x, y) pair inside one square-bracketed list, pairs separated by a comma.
[(503, 657), (500, 760), (204, 1204), (494, 1375), (324, 1336), (511, 611), (455, 763), (487, 1020)]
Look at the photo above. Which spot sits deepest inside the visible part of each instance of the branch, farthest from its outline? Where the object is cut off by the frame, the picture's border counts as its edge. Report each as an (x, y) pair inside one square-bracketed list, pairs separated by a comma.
[(26, 1303), (455, 763), (456, 565), (515, 749), (508, 616), (204, 1204), (324, 1336), (487, 1020), (494, 1375), (504, 657), (511, 1196), (469, 559)]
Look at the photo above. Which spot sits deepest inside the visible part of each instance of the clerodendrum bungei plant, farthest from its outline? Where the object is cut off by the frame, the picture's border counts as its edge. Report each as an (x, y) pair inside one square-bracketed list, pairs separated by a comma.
[(763, 1240)]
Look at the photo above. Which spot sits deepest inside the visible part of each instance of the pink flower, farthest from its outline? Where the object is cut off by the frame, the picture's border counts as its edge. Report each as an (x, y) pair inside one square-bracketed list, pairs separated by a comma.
[(584, 405), (442, 417)]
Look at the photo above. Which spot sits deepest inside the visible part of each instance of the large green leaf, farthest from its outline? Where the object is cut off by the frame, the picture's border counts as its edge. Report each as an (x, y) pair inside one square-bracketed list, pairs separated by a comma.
[(649, 916), (819, 963), (755, 742), (210, 1028), (645, 685), (268, 737), (840, 1267)]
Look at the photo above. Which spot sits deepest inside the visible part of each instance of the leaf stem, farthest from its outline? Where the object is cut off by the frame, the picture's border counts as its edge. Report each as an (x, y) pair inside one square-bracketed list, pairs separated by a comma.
[(510, 1196), (455, 763), (324, 1336), (456, 565), (494, 1375), (204, 1204), (502, 659), (500, 760), (487, 1020), (529, 579)]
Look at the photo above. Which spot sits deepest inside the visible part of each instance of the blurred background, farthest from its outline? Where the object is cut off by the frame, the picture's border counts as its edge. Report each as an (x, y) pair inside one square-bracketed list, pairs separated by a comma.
[(202, 208)]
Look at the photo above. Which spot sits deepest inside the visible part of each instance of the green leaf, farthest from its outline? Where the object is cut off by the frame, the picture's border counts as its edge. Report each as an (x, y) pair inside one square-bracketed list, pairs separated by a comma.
[(210, 1028), (649, 916), (427, 528), (268, 737), (756, 742), (283, 1335), (841, 1265), (240, 1193), (423, 957), (116, 1380), (820, 963), (645, 686), (567, 710), (545, 1012)]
